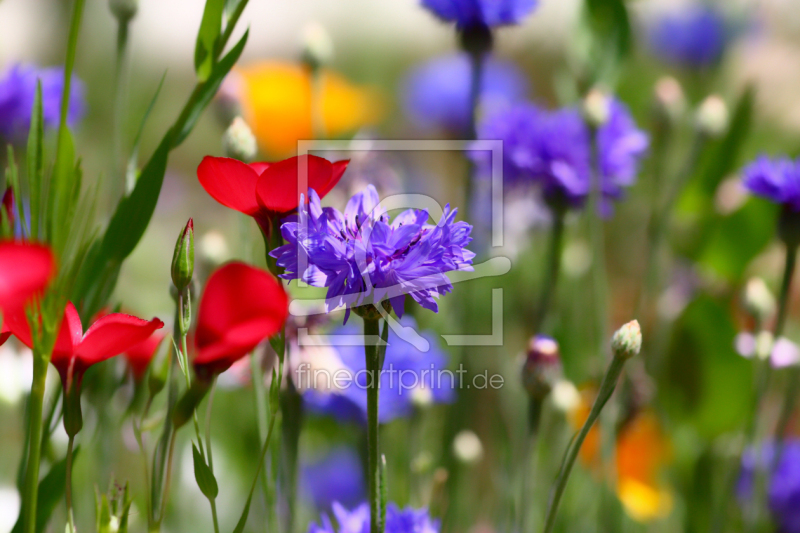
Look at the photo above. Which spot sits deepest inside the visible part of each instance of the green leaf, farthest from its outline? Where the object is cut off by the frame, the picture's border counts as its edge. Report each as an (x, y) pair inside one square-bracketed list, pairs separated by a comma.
[(210, 28), (204, 476), (35, 161), (132, 170), (611, 42), (51, 492)]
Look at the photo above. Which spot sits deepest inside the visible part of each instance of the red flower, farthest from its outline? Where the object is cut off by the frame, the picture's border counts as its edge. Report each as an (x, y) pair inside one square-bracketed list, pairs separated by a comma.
[(139, 355), (266, 191), (75, 351), (25, 270), (241, 306)]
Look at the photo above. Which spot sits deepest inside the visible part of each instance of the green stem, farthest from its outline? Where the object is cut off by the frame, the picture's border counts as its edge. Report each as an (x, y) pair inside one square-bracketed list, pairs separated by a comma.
[(119, 101), (553, 266), (476, 73), (209, 459), (598, 247), (70, 514), (534, 420), (372, 331), (606, 390), (35, 443)]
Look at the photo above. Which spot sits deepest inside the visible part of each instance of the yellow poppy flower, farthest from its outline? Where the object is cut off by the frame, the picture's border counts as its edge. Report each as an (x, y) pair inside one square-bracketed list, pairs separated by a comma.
[(277, 101)]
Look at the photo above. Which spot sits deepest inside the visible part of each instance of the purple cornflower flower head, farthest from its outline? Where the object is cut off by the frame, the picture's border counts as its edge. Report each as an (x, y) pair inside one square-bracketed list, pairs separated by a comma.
[(436, 93), (783, 490), (336, 477), (695, 37), (364, 258), (409, 378), (777, 180), (18, 92), (481, 12), (406, 520), (553, 149)]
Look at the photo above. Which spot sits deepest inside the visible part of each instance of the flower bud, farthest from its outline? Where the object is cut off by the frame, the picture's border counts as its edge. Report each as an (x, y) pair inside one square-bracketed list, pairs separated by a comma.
[(123, 10), (542, 367), (476, 39), (758, 300), (596, 107), (8, 208), (239, 142), (317, 45), (183, 258), (627, 341), (669, 100), (467, 447), (712, 116)]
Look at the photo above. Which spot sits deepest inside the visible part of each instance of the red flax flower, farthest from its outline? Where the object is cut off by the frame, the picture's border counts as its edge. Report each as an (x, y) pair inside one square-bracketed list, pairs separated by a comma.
[(267, 191), (241, 306), (139, 355), (25, 270)]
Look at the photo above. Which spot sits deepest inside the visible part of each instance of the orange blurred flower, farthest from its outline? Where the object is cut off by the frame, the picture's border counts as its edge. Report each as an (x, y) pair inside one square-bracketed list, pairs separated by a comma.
[(277, 101), (642, 451)]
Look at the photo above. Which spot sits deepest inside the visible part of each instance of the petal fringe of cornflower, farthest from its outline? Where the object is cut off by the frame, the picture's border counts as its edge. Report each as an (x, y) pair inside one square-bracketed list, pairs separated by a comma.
[(481, 12), (363, 258), (17, 94), (693, 37), (436, 93), (777, 180), (398, 520), (783, 490), (553, 149)]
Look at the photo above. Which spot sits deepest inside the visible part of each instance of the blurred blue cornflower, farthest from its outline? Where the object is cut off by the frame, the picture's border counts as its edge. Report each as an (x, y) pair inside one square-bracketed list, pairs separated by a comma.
[(17, 94), (363, 258), (552, 149), (777, 180), (694, 37), (490, 13), (783, 486), (436, 93), (336, 477), (406, 520), (410, 377)]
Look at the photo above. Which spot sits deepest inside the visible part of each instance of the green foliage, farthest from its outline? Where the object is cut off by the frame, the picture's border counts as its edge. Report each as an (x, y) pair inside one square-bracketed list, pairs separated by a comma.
[(210, 28), (51, 493), (204, 476)]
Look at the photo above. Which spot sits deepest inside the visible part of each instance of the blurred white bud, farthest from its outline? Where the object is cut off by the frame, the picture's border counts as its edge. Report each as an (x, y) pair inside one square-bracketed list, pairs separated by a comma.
[(422, 463), (421, 397), (317, 45), (758, 300), (239, 142), (764, 344), (669, 98), (214, 247), (123, 10), (113, 524), (467, 447), (565, 396), (597, 107), (730, 196), (712, 116), (576, 259), (627, 341)]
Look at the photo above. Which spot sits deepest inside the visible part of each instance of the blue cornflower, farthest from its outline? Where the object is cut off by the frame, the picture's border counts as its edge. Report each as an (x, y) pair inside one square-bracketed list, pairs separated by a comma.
[(18, 91), (490, 13), (409, 376), (336, 477), (783, 486), (695, 37), (363, 258), (777, 180), (406, 520), (436, 93), (553, 149)]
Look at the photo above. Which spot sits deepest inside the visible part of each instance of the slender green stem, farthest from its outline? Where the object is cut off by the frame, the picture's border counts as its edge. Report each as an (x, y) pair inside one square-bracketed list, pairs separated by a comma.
[(371, 332), (167, 479), (209, 459), (35, 444), (476, 73), (598, 247), (534, 420), (70, 514), (118, 166), (607, 387), (553, 266)]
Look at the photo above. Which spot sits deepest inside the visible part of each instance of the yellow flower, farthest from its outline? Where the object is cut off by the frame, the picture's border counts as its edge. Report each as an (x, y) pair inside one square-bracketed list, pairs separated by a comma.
[(277, 101)]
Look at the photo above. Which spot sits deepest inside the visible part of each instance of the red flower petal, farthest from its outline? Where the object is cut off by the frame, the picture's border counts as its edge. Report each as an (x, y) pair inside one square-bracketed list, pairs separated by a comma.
[(15, 321), (278, 189), (112, 335), (338, 170), (69, 337), (25, 269), (241, 306), (139, 355), (230, 182), (259, 166)]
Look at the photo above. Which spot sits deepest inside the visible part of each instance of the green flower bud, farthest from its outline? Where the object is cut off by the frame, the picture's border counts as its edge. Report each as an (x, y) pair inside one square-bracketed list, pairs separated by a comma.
[(183, 258), (542, 367), (317, 46), (627, 341), (238, 141), (124, 10)]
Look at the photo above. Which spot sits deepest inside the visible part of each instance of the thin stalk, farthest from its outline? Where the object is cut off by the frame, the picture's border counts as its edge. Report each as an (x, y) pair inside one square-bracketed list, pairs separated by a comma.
[(371, 331), (598, 247), (553, 266), (167, 479), (476, 74), (209, 459), (35, 443), (260, 398), (534, 421), (70, 514), (118, 121), (607, 387)]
